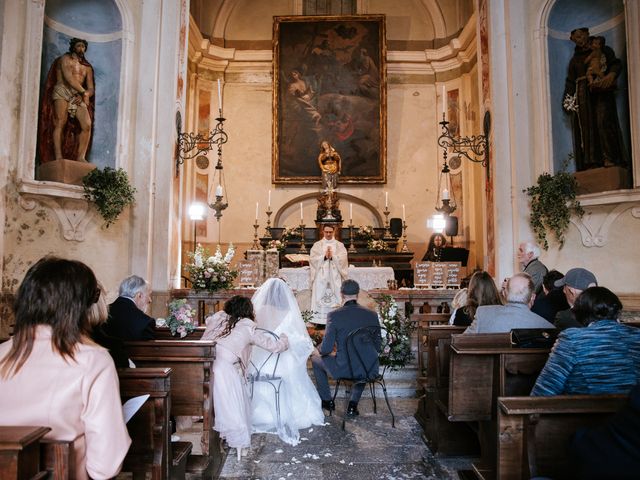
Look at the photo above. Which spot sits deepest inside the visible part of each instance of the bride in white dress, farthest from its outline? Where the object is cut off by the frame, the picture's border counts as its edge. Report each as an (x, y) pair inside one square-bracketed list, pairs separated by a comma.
[(277, 310)]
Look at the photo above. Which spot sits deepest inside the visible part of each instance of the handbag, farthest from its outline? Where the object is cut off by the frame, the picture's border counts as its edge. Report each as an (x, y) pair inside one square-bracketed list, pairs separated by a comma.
[(533, 337)]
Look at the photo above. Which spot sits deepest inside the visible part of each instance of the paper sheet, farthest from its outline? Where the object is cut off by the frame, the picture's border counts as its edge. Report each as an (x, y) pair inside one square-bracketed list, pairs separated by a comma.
[(132, 405)]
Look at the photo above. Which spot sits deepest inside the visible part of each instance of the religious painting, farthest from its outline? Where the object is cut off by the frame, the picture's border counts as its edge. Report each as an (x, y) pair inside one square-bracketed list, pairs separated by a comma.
[(329, 85)]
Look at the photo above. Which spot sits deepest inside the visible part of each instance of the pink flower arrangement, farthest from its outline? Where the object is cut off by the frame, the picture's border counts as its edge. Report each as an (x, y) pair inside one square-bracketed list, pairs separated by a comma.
[(182, 318)]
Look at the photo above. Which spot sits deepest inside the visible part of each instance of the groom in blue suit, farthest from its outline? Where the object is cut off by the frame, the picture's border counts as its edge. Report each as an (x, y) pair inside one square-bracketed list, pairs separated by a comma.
[(340, 323)]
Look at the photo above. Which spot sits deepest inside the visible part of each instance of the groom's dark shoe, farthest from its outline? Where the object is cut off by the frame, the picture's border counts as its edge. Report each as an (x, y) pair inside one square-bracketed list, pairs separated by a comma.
[(352, 410), (328, 405)]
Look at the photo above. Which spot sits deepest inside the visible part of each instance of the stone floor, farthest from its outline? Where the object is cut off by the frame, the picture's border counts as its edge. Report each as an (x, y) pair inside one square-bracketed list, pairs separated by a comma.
[(368, 449)]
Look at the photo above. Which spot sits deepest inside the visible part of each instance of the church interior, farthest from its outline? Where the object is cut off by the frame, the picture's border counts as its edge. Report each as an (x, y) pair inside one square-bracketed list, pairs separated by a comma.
[(444, 114)]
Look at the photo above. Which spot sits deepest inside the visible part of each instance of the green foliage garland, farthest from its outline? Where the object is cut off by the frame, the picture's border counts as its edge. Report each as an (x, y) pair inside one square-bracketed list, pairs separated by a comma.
[(553, 200), (110, 191)]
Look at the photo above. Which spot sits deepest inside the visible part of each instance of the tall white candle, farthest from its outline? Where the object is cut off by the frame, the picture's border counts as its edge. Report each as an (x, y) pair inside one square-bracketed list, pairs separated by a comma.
[(445, 194), (219, 190), (301, 217), (444, 98), (404, 218), (351, 211), (256, 212), (386, 199), (219, 95), (269, 198)]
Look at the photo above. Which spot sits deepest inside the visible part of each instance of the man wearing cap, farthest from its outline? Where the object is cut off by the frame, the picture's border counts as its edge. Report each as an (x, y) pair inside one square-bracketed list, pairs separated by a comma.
[(573, 284), (340, 323)]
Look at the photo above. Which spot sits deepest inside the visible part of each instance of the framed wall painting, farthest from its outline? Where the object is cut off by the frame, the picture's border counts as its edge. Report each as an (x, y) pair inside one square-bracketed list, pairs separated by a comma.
[(329, 84)]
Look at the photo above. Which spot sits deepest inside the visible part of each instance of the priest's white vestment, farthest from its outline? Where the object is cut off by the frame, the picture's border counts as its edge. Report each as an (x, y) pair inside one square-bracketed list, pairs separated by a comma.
[(327, 273)]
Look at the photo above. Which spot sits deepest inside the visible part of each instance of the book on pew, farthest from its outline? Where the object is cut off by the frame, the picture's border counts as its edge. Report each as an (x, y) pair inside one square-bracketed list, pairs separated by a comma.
[(131, 406)]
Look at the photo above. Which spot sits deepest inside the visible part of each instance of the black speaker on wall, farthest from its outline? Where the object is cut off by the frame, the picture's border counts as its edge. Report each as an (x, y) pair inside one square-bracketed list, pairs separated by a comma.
[(451, 230), (395, 226)]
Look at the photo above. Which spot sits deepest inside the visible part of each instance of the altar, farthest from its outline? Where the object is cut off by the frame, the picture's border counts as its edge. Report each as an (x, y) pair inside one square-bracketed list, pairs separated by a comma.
[(369, 278)]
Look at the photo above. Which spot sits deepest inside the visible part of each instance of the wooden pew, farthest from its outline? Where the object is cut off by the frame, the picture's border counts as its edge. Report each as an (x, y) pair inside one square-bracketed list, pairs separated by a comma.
[(152, 450), (191, 362), (58, 458), (20, 453), (534, 432), (163, 333)]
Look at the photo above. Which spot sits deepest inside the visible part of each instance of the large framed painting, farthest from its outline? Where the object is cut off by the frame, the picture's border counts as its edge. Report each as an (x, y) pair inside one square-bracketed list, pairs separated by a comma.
[(329, 84)]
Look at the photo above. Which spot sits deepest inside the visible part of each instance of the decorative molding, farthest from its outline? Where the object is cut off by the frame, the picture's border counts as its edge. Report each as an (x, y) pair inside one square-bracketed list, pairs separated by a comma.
[(596, 233), (73, 215)]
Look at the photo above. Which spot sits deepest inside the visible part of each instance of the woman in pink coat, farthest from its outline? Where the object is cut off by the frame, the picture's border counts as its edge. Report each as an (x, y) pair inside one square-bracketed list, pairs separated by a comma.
[(52, 374)]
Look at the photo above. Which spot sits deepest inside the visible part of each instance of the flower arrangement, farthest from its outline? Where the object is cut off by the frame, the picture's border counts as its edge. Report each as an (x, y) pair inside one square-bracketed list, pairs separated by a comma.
[(181, 320), (278, 245), (307, 315), (211, 273), (570, 103), (377, 245), (396, 352), (366, 233), (288, 233)]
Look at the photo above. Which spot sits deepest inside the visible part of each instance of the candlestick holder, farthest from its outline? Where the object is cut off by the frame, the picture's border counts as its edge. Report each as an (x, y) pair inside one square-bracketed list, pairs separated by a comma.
[(303, 248), (387, 232), (352, 247), (405, 248), (256, 243), (267, 230)]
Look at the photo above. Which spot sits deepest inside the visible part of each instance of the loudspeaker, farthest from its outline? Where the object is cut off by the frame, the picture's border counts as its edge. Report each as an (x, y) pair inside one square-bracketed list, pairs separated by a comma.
[(395, 226), (451, 230)]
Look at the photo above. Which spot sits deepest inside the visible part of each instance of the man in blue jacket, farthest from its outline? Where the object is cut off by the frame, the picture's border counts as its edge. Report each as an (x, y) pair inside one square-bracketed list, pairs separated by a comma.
[(340, 323)]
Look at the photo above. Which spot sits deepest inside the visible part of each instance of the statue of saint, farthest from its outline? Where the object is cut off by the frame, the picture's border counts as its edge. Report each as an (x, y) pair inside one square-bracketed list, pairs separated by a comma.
[(68, 104), (329, 161)]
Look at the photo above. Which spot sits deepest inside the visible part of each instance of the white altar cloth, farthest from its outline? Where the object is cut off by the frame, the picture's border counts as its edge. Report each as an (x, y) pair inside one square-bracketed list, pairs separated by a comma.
[(368, 278)]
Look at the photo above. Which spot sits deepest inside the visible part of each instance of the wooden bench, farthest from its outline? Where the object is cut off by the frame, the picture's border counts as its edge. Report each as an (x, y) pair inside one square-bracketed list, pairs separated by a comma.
[(534, 432), (152, 450), (191, 363), (20, 456)]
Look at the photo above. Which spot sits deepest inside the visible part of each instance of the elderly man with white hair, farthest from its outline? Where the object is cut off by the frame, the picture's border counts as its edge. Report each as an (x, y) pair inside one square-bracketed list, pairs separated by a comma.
[(528, 253), (515, 314), (128, 319)]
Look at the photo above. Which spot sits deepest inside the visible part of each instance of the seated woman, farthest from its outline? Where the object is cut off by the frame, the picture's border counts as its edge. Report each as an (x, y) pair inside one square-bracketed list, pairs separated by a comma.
[(437, 242), (602, 358), (52, 374), (482, 291), (234, 331), (277, 310)]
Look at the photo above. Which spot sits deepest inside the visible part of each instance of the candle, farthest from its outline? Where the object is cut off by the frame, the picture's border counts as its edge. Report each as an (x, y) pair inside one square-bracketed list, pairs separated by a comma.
[(445, 194), (219, 190), (444, 96), (351, 211), (219, 96), (403, 213), (269, 198), (386, 199), (256, 212), (301, 217)]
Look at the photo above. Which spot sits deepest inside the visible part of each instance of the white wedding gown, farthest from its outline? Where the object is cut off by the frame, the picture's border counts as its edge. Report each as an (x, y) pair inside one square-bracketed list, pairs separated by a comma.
[(277, 310)]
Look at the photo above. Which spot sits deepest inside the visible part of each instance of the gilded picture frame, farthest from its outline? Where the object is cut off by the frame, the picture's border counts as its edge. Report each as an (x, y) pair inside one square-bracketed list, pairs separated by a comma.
[(329, 84)]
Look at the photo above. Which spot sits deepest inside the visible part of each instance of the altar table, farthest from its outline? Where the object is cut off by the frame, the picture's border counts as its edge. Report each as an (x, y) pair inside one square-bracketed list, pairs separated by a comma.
[(369, 278)]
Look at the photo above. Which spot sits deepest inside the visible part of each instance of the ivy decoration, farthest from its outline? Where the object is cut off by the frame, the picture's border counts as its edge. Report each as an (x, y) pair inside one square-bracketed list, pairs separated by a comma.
[(110, 191), (553, 201)]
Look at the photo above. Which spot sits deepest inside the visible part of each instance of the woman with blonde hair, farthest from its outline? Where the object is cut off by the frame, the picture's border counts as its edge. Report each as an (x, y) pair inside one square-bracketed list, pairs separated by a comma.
[(52, 374)]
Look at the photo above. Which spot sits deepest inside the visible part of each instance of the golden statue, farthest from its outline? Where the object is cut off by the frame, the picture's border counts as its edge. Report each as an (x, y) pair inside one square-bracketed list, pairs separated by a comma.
[(329, 161)]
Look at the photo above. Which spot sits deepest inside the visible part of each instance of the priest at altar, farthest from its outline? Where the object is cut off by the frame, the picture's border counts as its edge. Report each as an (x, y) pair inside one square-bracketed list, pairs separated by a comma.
[(328, 268)]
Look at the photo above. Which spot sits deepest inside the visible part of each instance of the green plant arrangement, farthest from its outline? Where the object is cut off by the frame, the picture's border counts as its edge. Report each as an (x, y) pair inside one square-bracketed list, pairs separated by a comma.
[(110, 191), (553, 201), (396, 352)]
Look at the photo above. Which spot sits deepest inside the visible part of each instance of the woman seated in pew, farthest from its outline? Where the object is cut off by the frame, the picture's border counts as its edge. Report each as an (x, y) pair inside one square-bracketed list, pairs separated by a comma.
[(234, 331), (52, 373), (602, 358), (300, 407), (482, 291)]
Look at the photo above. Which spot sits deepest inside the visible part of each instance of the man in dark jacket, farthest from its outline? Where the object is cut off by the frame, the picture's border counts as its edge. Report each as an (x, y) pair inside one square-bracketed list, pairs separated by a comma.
[(340, 323), (127, 315)]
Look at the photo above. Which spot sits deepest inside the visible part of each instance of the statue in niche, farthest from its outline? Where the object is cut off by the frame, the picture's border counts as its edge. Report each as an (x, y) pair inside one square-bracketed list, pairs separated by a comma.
[(67, 108), (330, 164), (589, 97)]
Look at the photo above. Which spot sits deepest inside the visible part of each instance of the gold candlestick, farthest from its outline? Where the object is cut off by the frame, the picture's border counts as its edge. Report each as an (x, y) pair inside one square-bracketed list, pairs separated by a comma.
[(387, 232), (256, 243), (405, 248), (303, 248), (267, 230), (352, 247)]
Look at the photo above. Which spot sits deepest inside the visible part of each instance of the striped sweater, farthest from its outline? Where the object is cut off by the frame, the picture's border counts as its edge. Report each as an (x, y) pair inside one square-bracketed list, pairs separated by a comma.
[(602, 358)]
